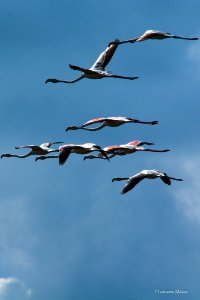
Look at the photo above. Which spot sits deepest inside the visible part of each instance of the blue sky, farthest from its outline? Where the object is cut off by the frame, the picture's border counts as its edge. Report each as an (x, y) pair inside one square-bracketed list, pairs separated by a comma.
[(67, 232)]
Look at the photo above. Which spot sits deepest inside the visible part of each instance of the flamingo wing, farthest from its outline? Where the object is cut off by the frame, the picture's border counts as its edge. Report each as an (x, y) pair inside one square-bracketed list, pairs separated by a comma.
[(153, 34), (33, 147), (132, 182), (165, 179), (134, 143), (55, 143), (64, 154), (111, 149), (105, 57), (94, 121)]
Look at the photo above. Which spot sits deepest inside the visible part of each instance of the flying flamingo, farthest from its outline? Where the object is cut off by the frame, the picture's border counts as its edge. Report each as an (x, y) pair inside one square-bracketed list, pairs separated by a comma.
[(153, 35), (128, 148), (66, 150), (97, 71), (149, 174), (43, 149), (110, 121)]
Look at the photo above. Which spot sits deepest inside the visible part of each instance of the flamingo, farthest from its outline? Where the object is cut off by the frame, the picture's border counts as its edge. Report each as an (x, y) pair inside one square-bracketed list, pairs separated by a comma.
[(153, 35), (110, 121), (66, 150), (97, 71), (128, 148), (43, 149), (149, 174)]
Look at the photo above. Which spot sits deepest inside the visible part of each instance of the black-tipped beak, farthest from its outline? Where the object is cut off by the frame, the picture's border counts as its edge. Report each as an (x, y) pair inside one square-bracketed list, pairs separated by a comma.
[(53, 80)]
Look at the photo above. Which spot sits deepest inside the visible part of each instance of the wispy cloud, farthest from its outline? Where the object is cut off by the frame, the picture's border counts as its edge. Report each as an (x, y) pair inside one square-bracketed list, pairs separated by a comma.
[(193, 55), (187, 195), (16, 235), (194, 52), (13, 288)]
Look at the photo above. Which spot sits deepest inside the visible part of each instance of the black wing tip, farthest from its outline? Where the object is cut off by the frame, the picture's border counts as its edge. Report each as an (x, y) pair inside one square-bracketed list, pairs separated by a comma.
[(114, 42), (72, 66)]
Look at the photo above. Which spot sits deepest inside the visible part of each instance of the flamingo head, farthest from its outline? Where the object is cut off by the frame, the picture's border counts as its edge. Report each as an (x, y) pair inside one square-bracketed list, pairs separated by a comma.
[(53, 80), (6, 155), (73, 127)]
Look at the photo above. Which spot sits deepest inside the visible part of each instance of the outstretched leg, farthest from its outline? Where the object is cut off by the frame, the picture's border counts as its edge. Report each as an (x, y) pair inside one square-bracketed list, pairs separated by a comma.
[(123, 77), (184, 38), (18, 156), (153, 150), (178, 179), (119, 178), (144, 122), (54, 80), (43, 157)]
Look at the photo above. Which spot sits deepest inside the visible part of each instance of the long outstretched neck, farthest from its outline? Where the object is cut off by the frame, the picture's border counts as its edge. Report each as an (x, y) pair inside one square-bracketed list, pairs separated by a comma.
[(14, 155), (99, 156), (144, 122), (43, 157), (177, 179), (93, 129), (53, 80), (119, 178), (184, 38), (153, 150), (92, 156), (83, 128)]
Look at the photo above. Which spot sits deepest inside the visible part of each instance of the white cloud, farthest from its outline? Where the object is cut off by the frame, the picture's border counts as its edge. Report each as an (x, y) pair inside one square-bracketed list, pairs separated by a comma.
[(188, 194), (193, 55), (194, 52), (16, 233), (12, 288)]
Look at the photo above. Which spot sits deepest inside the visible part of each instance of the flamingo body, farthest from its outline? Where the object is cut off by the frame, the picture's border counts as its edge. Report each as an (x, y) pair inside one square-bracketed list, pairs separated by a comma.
[(97, 71), (148, 174), (131, 147), (153, 35), (43, 149), (110, 121), (66, 150)]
